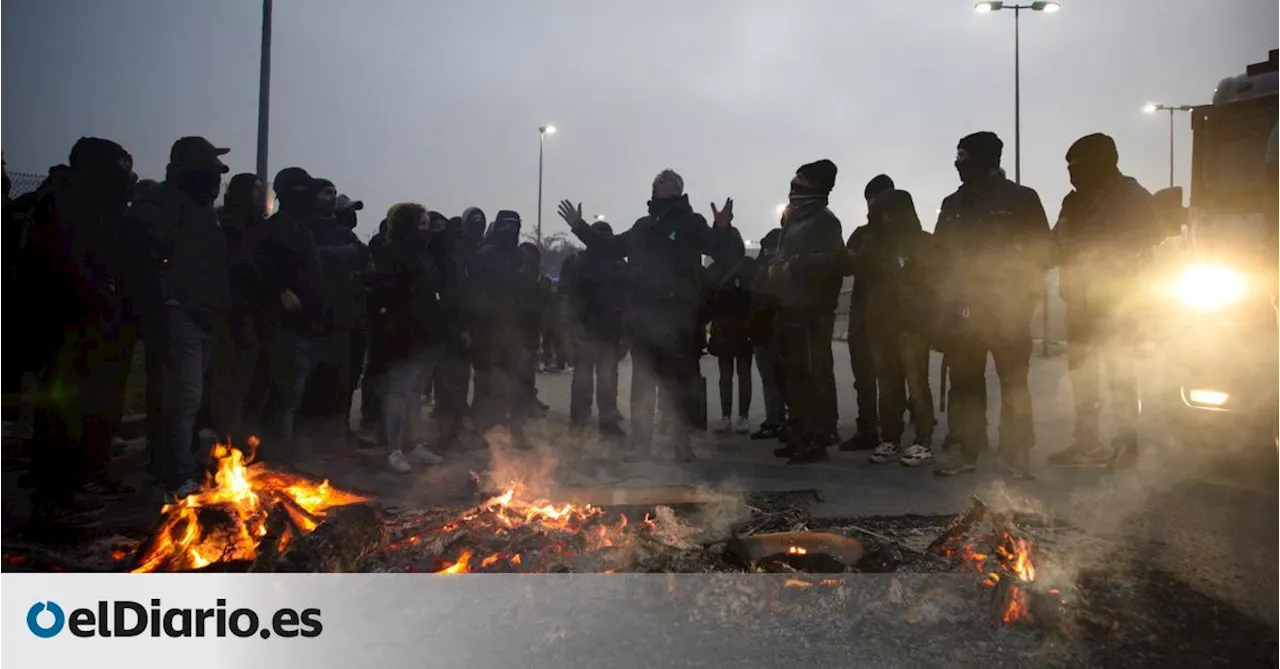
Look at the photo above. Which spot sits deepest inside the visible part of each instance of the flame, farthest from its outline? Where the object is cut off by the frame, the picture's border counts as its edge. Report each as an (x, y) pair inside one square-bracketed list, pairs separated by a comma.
[(796, 550), (227, 518), (1013, 567)]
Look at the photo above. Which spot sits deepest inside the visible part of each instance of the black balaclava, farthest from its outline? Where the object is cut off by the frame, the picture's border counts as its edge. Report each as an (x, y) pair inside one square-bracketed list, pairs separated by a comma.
[(880, 183), (505, 230), (296, 191), (895, 211), (982, 157), (455, 226), (245, 196), (105, 171), (820, 178), (403, 224), (530, 257), (473, 224), (1093, 162), (769, 244), (326, 204)]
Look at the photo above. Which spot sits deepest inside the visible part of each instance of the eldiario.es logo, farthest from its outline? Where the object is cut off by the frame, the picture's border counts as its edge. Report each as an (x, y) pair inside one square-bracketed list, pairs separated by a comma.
[(124, 618)]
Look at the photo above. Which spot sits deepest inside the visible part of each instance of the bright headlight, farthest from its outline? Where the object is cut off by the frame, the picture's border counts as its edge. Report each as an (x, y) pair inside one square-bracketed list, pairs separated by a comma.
[(1209, 287)]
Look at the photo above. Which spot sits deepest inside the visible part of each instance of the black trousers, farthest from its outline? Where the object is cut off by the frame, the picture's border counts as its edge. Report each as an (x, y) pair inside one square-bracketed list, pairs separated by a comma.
[(804, 339), (452, 379), (665, 369), (967, 397), (863, 366), (500, 350), (728, 364), (595, 374)]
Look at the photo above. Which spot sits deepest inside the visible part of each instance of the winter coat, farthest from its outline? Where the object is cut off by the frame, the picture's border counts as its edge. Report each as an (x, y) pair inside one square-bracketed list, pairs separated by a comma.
[(1102, 245), (993, 247), (894, 262), (343, 261), (728, 307), (291, 261), (184, 253), (405, 298), (664, 265), (594, 290), (813, 248)]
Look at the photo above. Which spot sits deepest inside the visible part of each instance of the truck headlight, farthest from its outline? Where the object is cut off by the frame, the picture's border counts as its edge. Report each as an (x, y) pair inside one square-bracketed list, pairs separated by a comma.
[(1209, 287)]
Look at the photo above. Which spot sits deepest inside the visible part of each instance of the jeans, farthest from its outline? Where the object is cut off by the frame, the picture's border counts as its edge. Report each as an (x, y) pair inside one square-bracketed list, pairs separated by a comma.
[(902, 364), (595, 372), (291, 362), (805, 349), (775, 409), (403, 385), (1094, 343), (728, 364), (186, 351)]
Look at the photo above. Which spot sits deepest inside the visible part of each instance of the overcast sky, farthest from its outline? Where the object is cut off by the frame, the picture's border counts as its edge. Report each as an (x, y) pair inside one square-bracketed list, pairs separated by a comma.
[(440, 102)]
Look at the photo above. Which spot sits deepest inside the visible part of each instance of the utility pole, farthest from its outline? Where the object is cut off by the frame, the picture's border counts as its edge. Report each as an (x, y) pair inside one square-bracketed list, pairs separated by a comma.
[(264, 93)]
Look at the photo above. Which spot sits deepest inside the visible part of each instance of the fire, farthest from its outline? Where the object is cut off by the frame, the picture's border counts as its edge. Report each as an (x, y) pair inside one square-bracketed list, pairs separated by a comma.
[(504, 513), (1013, 568), (227, 518)]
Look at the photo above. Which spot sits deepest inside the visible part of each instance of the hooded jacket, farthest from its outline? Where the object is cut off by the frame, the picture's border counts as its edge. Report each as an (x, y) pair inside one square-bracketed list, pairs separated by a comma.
[(343, 261), (728, 305), (497, 290), (813, 247), (291, 261), (244, 225), (894, 263), (994, 248), (593, 287), (664, 261), (405, 294), (1101, 241)]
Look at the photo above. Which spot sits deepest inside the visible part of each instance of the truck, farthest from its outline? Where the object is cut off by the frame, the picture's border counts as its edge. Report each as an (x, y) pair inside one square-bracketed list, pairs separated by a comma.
[(1221, 337)]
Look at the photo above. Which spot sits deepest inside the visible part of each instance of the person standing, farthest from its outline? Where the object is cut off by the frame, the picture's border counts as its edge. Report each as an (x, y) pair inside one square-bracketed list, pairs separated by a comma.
[(664, 266), (1107, 225), (894, 261), (807, 273), (865, 385), (594, 289), (406, 286), (728, 308), (760, 325), (71, 255), (243, 218), (994, 247), (293, 286), (191, 296)]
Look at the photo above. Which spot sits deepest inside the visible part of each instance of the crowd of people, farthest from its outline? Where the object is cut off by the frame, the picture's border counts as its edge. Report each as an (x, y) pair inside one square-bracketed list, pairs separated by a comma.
[(260, 320)]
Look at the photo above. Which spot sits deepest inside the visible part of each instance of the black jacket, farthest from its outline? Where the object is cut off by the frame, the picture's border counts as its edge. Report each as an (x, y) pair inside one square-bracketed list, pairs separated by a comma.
[(993, 247), (184, 255), (813, 247), (728, 307), (594, 290), (291, 261), (343, 261), (664, 261), (1103, 242), (244, 231), (499, 292), (894, 263), (405, 298)]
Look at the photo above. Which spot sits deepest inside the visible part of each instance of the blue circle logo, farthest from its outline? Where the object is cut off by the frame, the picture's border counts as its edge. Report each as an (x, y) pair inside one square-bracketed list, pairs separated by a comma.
[(45, 631)]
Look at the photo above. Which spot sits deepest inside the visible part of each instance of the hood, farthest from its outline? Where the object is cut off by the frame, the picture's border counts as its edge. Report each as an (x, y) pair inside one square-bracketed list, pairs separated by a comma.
[(895, 210), (473, 223)]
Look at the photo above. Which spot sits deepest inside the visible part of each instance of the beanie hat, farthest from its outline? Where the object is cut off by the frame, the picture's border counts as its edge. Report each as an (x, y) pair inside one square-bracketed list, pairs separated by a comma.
[(1095, 148), (878, 184), (821, 174), (983, 147)]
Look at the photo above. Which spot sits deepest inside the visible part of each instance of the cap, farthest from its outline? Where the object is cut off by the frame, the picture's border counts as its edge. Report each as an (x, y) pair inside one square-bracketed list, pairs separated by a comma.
[(345, 202), (197, 152)]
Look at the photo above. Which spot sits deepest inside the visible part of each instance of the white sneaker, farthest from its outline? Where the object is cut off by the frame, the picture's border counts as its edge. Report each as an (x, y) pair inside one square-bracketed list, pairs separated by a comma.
[(426, 456), (917, 455), (398, 462), (885, 452), (740, 426), (725, 425)]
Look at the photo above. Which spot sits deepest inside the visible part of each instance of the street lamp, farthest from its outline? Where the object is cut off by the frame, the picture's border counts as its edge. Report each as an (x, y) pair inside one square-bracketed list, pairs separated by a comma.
[(1048, 7), (543, 131), (1152, 108)]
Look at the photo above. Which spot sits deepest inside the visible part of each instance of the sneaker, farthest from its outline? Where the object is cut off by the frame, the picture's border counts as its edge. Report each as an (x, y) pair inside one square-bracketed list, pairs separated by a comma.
[(1080, 455), (398, 463), (885, 452), (740, 426), (724, 426), (766, 431), (917, 455), (955, 467), (425, 456), (810, 454), (862, 441)]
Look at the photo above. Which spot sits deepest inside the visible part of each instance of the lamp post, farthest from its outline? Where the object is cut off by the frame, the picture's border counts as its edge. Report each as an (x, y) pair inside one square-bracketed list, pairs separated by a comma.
[(264, 92), (1048, 7), (1155, 107), (543, 131)]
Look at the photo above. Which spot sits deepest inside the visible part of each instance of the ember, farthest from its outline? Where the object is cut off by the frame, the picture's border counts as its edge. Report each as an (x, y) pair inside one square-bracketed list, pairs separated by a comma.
[(227, 519)]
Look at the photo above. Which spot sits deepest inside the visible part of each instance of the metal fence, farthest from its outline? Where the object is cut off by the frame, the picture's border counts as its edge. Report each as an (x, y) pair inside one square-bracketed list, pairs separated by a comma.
[(25, 182)]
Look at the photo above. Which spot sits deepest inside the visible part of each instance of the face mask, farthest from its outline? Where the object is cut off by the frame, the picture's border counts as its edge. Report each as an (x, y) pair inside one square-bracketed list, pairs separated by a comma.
[(1085, 177), (970, 172), (201, 186)]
